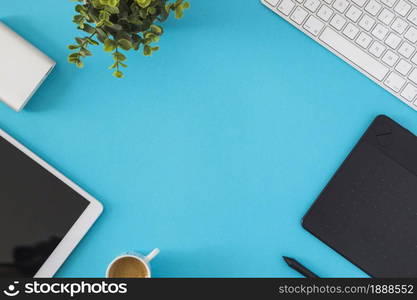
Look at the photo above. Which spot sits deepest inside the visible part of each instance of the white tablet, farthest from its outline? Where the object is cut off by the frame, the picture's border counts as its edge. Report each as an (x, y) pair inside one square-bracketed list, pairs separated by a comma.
[(43, 214)]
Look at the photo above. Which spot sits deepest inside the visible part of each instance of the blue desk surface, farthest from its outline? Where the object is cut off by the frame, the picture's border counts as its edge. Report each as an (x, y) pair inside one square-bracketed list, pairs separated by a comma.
[(212, 150)]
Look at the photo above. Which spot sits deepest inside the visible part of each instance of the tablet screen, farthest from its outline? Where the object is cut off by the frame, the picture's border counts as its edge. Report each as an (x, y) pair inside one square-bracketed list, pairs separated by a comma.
[(36, 212)]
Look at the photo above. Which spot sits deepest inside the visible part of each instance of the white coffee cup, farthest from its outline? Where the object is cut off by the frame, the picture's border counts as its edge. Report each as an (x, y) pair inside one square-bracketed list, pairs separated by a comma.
[(140, 260)]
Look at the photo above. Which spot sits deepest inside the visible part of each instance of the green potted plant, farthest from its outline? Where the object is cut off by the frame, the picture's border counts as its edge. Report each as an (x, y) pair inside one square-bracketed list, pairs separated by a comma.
[(121, 25)]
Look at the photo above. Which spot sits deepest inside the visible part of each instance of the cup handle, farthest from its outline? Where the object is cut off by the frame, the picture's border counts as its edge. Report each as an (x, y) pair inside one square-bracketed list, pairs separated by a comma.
[(151, 255)]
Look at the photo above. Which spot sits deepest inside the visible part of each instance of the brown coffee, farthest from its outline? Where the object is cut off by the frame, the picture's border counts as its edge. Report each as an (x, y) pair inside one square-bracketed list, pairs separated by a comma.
[(128, 267)]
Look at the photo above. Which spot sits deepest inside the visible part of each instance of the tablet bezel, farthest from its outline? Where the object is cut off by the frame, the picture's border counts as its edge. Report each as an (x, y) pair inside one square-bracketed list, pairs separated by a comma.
[(79, 228)]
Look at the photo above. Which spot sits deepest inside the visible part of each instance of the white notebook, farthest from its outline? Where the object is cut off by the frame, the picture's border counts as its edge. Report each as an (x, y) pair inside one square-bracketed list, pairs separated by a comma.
[(24, 68)]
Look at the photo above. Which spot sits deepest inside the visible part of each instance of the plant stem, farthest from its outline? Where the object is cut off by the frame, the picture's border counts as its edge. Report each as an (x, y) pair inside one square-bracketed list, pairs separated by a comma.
[(117, 65), (85, 43)]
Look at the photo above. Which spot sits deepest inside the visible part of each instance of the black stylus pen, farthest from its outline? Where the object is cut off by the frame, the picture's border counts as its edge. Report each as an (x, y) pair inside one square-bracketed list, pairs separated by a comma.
[(292, 263)]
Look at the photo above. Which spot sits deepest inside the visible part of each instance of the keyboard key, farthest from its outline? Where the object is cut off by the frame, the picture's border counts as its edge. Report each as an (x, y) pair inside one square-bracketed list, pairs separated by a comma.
[(377, 49), (409, 92), (393, 40), (299, 15), (312, 5), (386, 16), (325, 13), (286, 7), (379, 31), (389, 3), (406, 50), (338, 21), (414, 59), (340, 5), (350, 31), (402, 8), (413, 17), (353, 13), (390, 58), (403, 67), (394, 82), (411, 35), (272, 2), (366, 22), (359, 2), (373, 7), (413, 76), (313, 25), (399, 25), (353, 53), (363, 40)]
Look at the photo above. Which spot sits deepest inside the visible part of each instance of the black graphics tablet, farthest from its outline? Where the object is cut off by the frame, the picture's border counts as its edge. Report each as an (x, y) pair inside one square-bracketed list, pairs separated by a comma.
[(368, 210)]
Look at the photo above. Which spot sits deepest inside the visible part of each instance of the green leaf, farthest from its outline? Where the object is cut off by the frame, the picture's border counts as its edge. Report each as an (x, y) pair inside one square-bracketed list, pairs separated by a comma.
[(79, 8), (78, 19), (156, 29), (104, 15), (179, 12), (109, 45), (113, 3), (118, 74), (151, 10), (79, 41), (147, 50), (89, 29), (119, 56), (143, 3), (124, 44), (72, 59), (73, 47), (79, 64), (112, 10), (151, 36), (85, 52), (116, 27)]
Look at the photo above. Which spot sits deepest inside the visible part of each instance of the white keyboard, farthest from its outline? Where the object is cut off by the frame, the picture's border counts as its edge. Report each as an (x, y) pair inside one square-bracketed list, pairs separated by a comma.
[(377, 37)]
